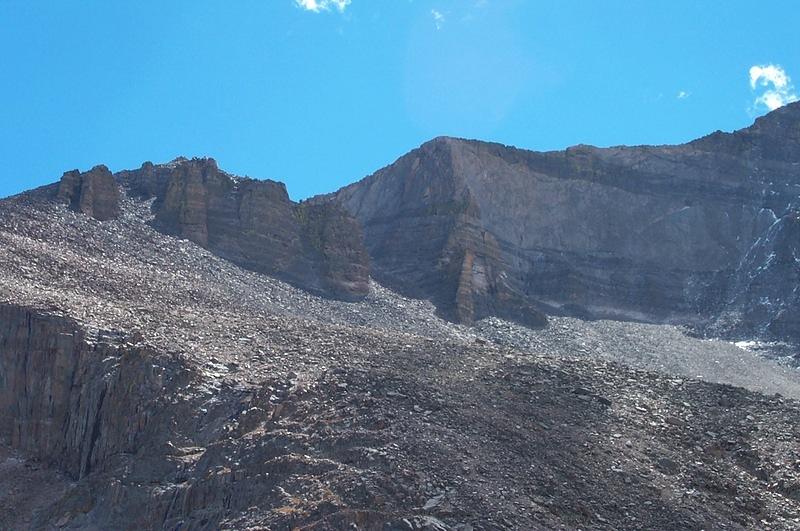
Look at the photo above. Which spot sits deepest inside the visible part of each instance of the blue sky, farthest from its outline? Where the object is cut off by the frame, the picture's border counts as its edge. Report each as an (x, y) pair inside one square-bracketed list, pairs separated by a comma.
[(319, 93)]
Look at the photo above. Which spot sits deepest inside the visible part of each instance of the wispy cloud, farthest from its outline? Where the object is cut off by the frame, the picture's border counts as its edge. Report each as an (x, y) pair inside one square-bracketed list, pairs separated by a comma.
[(682, 95), (438, 18), (322, 5), (776, 86)]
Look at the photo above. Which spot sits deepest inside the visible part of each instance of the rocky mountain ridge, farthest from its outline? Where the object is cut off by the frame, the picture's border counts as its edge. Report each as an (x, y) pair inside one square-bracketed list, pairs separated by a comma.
[(148, 383), (185, 349), (651, 233), (665, 234), (250, 222)]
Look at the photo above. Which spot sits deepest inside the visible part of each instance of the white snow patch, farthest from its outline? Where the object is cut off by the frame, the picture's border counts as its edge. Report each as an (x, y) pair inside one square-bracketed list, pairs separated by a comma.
[(746, 345)]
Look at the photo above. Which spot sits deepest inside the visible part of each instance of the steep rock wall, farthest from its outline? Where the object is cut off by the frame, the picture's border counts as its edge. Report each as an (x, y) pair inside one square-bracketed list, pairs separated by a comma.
[(644, 233), (94, 193), (255, 224), (66, 399)]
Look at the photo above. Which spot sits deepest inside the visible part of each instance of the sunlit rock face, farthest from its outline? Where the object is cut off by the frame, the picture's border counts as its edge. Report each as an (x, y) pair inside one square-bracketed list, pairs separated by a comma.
[(254, 224), (94, 193), (152, 377), (656, 233)]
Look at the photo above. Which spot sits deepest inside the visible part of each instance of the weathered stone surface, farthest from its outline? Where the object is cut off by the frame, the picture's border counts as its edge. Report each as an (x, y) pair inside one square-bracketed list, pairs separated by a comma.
[(642, 233), (94, 193), (335, 239), (65, 399), (764, 298), (181, 391), (255, 224)]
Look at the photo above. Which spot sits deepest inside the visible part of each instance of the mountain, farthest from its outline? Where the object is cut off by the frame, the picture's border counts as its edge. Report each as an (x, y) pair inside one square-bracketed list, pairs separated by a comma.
[(185, 349), (252, 223), (663, 234)]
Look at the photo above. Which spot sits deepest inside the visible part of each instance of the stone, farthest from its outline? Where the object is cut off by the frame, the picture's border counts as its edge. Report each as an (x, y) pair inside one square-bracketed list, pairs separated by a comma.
[(668, 466), (254, 224), (94, 193), (603, 400), (679, 234), (434, 502)]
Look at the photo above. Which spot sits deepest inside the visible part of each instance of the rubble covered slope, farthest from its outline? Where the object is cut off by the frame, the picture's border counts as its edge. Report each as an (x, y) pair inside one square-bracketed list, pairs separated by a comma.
[(147, 382)]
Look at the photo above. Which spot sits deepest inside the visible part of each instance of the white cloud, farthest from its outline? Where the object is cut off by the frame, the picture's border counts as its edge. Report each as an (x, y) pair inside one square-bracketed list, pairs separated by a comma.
[(777, 86), (682, 95), (322, 5), (438, 18)]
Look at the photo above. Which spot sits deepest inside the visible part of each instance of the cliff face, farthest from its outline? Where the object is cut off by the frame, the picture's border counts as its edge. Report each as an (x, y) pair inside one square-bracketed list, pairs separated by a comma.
[(255, 224), (764, 298), (645, 233), (147, 383), (94, 193), (66, 398)]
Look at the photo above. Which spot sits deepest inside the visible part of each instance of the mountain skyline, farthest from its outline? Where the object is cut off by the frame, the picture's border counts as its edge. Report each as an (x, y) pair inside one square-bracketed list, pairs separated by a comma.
[(182, 348), (482, 229), (91, 82), (384, 265)]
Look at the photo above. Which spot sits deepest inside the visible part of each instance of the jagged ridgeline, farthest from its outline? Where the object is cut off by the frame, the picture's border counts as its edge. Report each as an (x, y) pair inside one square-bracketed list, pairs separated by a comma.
[(250, 222), (703, 233), (184, 349)]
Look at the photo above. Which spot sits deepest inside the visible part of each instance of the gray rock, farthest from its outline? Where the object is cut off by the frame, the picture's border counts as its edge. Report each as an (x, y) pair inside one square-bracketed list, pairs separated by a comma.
[(148, 383), (94, 193), (254, 224), (678, 234)]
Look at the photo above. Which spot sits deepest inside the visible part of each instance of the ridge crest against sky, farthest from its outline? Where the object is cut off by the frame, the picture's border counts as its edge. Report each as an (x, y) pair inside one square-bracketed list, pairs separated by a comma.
[(319, 93)]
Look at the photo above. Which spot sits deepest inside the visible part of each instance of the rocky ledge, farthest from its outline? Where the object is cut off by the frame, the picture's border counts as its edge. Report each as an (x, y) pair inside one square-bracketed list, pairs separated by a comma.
[(254, 224), (94, 193), (653, 233), (147, 383)]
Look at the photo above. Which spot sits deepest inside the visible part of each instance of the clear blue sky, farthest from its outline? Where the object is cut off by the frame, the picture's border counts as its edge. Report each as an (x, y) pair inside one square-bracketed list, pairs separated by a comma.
[(319, 99)]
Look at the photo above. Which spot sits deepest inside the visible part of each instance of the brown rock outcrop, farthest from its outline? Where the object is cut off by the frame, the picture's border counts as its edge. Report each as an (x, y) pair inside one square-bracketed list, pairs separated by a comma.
[(176, 390), (67, 399), (255, 225), (94, 193)]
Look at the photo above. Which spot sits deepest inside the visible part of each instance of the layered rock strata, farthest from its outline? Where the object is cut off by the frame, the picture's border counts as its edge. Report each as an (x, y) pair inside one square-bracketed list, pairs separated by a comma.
[(94, 193), (147, 383), (654, 233), (254, 224)]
